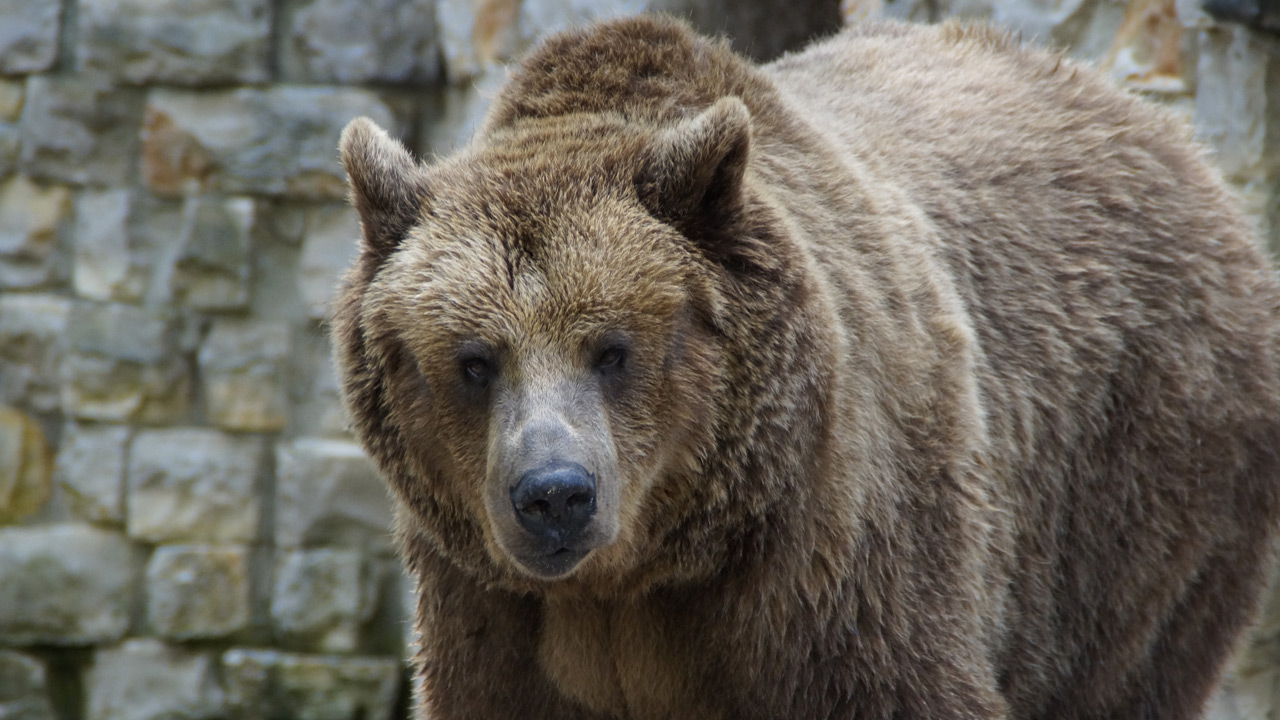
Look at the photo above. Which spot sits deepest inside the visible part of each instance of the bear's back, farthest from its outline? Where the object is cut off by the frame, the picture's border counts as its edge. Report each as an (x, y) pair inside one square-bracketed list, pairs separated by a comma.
[(1125, 320)]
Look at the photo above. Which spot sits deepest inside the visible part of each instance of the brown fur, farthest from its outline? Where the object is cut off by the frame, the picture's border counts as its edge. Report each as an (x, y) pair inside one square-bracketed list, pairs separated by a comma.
[(951, 386)]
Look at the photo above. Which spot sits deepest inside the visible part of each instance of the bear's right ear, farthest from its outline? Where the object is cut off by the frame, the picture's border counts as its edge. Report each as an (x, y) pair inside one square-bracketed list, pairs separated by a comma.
[(695, 174), (388, 187)]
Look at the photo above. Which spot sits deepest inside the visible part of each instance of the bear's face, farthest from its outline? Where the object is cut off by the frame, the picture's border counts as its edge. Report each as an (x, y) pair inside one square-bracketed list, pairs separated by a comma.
[(558, 337)]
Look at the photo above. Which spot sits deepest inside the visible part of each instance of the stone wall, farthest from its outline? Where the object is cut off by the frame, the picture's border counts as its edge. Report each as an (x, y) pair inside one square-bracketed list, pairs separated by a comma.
[(186, 529)]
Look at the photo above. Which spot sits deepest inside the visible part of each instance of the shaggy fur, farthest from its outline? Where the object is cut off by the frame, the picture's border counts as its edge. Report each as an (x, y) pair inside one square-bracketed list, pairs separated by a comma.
[(920, 375)]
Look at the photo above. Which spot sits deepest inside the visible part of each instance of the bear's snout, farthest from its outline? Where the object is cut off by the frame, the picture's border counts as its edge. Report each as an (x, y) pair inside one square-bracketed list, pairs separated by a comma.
[(555, 502)]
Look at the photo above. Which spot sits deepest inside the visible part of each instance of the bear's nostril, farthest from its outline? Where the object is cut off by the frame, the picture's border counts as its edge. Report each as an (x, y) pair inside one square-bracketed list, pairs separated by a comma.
[(555, 501)]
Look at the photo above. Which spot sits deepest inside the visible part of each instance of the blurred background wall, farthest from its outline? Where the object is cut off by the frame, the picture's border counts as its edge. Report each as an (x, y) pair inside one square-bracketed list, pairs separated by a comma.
[(186, 528)]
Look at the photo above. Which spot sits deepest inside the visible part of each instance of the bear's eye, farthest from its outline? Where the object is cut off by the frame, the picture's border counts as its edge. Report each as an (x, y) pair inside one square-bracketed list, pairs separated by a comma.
[(476, 370), (611, 359)]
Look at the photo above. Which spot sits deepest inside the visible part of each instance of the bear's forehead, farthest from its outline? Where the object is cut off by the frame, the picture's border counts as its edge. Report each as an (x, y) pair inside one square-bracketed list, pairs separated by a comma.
[(576, 271)]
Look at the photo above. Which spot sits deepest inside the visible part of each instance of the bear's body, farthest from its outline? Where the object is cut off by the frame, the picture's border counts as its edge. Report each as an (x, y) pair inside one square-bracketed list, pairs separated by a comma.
[(916, 375)]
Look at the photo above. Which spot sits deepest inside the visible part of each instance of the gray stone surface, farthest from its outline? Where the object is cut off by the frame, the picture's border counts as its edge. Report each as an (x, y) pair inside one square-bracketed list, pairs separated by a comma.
[(1230, 113), (477, 35), (65, 584), (28, 35), (210, 269), (111, 261), (23, 691), (538, 18), (32, 220), (328, 493), (279, 141), (243, 364), (127, 332), (79, 130), (127, 244), (199, 591), (111, 389), (330, 247), (194, 484), (322, 597), (89, 469), (12, 93), (320, 410), (453, 114), (266, 684), (183, 42), (10, 148), (125, 364), (30, 215), (145, 679), (33, 330), (385, 41), (26, 465)]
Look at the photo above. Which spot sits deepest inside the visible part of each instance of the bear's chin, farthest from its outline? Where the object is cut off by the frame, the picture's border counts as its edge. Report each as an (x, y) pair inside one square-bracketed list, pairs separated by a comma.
[(552, 566)]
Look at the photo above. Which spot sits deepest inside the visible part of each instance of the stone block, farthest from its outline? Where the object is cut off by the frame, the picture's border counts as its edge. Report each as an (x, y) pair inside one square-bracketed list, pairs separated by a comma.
[(378, 41), (23, 693), (277, 246), (65, 585), (328, 493), (33, 329), (30, 216), (125, 364), (276, 141), (175, 41), (26, 466), (110, 261), (10, 148), (244, 364), (127, 332), (266, 684), (12, 93), (477, 36), (118, 390), (194, 485), (198, 591), (211, 269), (79, 130), (29, 36), (90, 468), (145, 679), (32, 220), (128, 247), (322, 598), (330, 247), (453, 115), (1231, 100), (320, 410)]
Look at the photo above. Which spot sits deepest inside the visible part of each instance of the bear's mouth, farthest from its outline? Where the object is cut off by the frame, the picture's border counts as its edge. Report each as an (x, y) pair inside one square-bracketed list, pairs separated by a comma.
[(555, 564)]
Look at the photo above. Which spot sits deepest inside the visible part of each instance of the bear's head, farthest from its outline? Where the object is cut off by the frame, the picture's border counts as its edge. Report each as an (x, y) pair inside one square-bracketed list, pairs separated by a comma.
[(531, 341)]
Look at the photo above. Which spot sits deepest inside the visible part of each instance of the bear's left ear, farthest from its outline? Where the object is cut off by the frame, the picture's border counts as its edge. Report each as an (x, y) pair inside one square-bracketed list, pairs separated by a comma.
[(388, 188), (693, 177)]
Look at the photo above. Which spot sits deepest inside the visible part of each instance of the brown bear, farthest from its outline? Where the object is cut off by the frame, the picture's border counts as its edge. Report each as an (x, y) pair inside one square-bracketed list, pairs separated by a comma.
[(915, 375)]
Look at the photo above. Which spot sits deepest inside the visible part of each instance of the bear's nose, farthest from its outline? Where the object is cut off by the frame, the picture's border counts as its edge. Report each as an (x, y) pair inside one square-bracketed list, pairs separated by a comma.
[(555, 501)]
